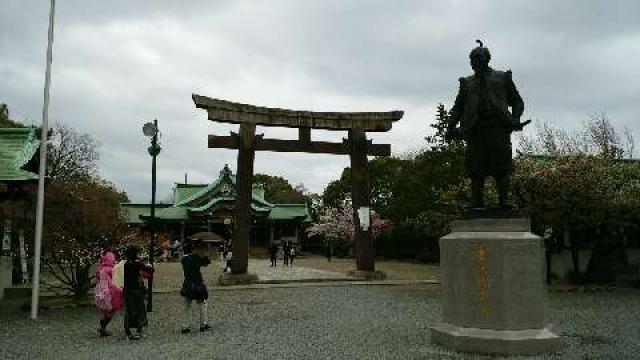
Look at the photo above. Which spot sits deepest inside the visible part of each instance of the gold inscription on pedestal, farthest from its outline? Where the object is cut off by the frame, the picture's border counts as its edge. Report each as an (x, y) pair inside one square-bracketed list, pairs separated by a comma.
[(482, 279)]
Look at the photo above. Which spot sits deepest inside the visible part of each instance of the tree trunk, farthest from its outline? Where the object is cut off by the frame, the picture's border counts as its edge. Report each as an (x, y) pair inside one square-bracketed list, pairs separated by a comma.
[(548, 255), (599, 268), (575, 254)]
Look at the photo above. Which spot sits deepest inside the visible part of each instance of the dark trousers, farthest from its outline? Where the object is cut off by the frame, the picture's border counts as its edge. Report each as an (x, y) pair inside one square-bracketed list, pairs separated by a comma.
[(135, 315)]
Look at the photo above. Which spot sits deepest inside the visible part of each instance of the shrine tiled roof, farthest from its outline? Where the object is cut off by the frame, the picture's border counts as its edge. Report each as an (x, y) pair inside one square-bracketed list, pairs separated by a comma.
[(17, 148), (223, 187), (290, 212), (132, 212), (257, 207), (172, 213), (182, 192)]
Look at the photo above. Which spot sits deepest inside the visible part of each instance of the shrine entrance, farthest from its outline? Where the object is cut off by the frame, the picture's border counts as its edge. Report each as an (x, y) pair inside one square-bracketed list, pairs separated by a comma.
[(247, 143)]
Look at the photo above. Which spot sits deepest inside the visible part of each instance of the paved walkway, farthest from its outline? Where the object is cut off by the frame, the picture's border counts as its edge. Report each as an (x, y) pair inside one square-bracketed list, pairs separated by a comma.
[(168, 277), (284, 274)]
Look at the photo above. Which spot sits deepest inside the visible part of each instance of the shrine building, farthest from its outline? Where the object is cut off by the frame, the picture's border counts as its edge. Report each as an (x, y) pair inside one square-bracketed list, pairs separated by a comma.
[(18, 189), (209, 208)]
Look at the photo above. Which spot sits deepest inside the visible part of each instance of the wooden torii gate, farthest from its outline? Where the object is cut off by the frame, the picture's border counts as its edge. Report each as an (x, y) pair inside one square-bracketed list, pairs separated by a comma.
[(357, 147)]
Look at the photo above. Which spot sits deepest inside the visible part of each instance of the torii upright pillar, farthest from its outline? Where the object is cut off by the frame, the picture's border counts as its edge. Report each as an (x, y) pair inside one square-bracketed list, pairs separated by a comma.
[(244, 184), (365, 251)]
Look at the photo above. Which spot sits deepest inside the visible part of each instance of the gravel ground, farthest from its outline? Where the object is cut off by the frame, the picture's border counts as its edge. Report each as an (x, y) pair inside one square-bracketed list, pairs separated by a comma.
[(360, 322)]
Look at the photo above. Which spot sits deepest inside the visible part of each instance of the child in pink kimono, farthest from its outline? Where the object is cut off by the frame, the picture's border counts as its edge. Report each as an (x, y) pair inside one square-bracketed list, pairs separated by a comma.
[(108, 296)]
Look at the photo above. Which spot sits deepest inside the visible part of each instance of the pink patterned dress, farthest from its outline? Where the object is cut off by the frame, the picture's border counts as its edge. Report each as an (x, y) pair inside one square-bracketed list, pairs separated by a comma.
[(108, 297)]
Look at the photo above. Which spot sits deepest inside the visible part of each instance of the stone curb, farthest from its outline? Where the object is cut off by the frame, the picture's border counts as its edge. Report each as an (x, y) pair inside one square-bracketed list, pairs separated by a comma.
[(582, 288), (302, 284), (293, 281)]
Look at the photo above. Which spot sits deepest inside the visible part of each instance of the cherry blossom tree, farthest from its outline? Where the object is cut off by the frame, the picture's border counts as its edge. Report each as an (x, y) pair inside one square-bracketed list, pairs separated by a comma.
[(333, 223), (336, 224)]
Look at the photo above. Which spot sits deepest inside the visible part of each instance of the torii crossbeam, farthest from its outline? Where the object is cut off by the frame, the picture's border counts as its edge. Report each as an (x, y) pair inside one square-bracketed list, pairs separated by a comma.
[(357, 147)]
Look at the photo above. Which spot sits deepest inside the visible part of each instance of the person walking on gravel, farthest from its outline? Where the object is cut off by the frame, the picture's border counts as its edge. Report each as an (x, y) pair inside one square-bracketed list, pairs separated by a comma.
[(108, 297), (285, 253), (193, 287), (292, 255), (135, 315), (228, 261), (273, 254)]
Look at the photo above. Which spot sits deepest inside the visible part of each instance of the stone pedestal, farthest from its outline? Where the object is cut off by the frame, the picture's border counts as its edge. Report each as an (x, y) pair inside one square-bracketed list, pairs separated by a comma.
[(6, 266), (494, 295)]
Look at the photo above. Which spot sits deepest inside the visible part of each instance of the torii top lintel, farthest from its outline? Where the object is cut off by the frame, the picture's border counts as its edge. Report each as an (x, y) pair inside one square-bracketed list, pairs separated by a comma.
[(231, 112)]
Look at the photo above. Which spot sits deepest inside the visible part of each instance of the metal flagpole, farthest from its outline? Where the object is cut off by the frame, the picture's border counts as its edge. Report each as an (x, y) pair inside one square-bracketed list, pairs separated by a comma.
[(35, 292)]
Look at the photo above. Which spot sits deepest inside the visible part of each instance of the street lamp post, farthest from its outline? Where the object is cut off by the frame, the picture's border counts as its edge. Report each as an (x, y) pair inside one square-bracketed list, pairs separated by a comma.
[(151, 130)]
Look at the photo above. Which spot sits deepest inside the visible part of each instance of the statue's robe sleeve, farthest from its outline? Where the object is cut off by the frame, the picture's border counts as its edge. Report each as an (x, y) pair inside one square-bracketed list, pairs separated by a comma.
[(513, 97), (458, 107)]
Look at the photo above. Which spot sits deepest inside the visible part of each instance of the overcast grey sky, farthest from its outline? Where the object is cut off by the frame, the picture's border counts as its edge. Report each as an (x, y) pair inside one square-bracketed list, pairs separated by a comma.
[(120, 63)]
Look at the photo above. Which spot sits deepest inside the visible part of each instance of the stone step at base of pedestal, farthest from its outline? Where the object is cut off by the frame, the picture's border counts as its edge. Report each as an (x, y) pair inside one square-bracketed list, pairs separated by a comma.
[(491, 341)]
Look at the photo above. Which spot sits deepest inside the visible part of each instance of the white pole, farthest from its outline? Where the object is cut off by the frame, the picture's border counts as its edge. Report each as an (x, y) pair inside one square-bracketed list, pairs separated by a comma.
[(35, 293)]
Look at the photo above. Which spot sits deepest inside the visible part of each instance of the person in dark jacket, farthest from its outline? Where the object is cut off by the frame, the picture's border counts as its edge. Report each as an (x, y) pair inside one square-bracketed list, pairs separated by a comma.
[(135, 315), (193, 287), (273, 254), (285, 253)]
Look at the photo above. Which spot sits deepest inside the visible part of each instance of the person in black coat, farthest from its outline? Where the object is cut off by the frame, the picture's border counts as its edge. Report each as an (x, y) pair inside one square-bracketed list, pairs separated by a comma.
[(273, 254), (285, 249), (193, 287), (135, 315)]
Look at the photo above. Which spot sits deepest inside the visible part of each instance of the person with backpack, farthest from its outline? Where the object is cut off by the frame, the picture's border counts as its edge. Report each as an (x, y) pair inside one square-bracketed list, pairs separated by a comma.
[(193, 287)]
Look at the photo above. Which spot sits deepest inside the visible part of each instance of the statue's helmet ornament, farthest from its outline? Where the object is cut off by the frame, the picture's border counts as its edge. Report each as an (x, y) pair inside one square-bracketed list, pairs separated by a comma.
[(480, 52)]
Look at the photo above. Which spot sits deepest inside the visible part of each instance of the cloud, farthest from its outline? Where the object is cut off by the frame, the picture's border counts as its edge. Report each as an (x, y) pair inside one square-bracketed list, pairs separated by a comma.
[(119, 64)]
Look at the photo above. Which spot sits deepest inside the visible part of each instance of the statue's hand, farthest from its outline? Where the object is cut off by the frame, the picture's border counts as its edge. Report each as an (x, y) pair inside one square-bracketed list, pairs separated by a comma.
[(518, 126)]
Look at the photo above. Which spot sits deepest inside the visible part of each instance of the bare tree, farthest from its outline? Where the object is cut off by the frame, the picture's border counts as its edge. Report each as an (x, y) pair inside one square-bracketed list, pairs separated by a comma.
[(71, 156), (598, 138), (602, 138), (551, 141), (629, 143)]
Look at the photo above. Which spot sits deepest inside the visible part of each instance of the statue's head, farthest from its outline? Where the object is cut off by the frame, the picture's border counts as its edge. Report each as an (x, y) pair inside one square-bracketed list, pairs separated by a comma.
[(479, 58)]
